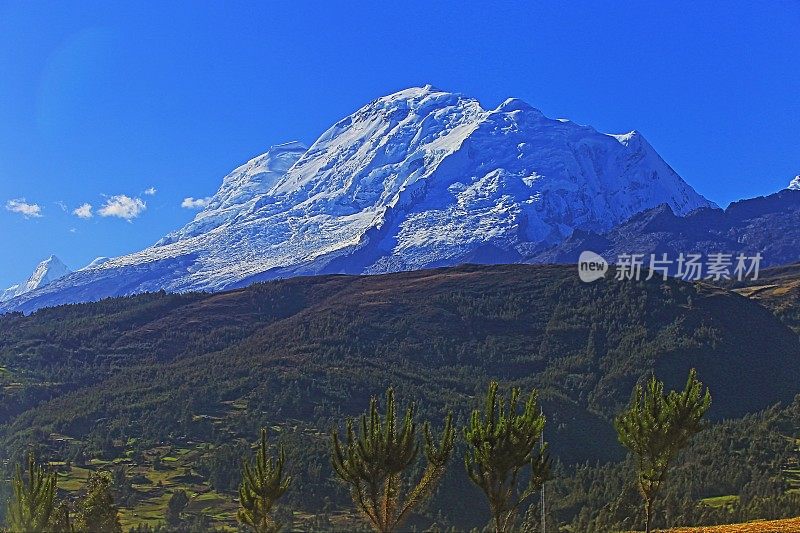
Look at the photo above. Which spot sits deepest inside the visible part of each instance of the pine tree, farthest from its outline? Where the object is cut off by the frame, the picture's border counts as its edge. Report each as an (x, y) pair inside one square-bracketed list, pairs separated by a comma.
[(61, 520), (98, 513), (263, 483), (176, 505), (502, 442), (33, 500), (373, 462), (655, 427)]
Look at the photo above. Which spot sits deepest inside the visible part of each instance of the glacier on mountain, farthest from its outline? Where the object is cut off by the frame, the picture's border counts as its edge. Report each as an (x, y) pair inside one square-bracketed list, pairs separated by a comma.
[(416, 179)]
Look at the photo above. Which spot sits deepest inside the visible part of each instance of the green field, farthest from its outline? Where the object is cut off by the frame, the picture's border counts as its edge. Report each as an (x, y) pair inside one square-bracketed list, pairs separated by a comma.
[(721, 501), (153, 488)]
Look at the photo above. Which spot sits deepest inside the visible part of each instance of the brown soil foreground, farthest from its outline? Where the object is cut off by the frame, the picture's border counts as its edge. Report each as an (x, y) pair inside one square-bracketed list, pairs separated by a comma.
[(789, 525)]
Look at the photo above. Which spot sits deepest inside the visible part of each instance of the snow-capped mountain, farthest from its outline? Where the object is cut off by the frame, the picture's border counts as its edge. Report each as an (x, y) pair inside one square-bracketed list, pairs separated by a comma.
[(795, 184), (9, 293), (45, 273), (416, 179)]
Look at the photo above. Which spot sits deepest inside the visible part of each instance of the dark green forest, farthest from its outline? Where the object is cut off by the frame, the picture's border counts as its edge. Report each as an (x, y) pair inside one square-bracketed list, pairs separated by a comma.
[(174, 389)]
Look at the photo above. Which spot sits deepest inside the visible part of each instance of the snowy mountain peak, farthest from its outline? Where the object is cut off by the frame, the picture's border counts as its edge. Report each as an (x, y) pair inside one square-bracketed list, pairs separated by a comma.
[(411, 94), (795, 183), (415, 179), (9, 293), (45, 273), (416, 100), (515, 104)]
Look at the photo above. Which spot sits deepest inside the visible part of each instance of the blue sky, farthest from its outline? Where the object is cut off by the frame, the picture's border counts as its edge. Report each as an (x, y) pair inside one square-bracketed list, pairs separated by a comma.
[(100, 102)]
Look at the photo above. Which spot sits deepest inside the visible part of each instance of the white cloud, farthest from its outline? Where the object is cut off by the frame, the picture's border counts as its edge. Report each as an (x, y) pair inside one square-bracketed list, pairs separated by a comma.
[(22, 207), (62, 205), (84, 211), (122, 206), (73, 230), (151, 191), (195, 203)]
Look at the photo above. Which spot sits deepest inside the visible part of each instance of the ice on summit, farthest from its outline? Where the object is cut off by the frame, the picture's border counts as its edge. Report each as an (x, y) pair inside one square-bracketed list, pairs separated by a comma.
[(241, 189), (96, 262), (9, 293), (45, 273), (419, 178)]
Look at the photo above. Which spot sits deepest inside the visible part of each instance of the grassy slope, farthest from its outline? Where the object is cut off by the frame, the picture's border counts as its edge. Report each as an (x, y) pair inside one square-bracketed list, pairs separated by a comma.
[(791, 525)]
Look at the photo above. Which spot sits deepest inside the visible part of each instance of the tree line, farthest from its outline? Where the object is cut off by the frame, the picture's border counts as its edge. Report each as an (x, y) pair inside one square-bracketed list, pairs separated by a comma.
[(506, 458)]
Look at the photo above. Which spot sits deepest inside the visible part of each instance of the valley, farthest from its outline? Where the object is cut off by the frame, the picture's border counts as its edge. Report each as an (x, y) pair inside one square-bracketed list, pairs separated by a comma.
[(172, 388)]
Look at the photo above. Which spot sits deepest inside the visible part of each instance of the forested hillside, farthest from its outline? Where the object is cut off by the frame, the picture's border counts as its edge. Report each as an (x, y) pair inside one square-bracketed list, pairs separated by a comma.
[(186, 381)]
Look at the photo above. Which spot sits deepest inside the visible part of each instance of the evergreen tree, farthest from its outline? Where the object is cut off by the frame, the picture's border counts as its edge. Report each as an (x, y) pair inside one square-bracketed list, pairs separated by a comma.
[(373, 463), (33, 499), (121, 482), (502, 442), (655, 427), (263, 483), (61, 520), (177, 503), (98, 513)]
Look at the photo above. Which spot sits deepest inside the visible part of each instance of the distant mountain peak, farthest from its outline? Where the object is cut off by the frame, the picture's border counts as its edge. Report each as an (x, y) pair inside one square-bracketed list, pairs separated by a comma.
[(795, 183), (45, 273)]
